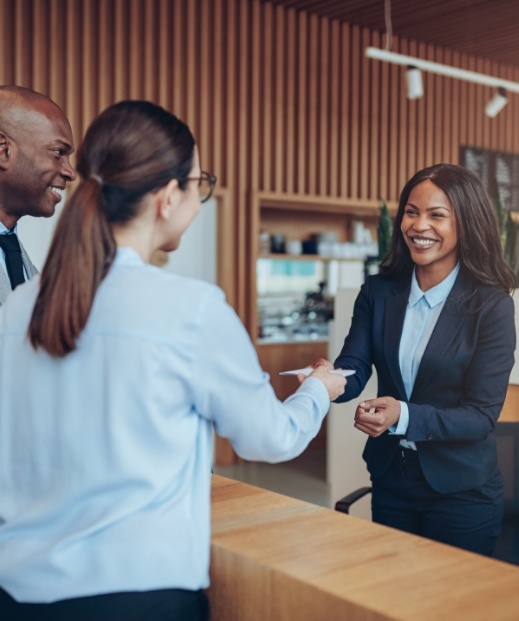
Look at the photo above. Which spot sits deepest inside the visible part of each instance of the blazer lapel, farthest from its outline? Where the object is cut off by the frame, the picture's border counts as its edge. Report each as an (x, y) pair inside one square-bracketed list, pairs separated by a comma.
[(5, 285), (394, 315), (449, 323), (27, 263)]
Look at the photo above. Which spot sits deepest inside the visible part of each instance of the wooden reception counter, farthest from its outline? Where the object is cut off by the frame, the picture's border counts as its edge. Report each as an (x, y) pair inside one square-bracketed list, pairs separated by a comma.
[(275, 558)]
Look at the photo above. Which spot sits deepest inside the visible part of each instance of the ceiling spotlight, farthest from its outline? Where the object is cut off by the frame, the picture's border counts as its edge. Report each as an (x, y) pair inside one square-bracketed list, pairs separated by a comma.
[(497, 103), (414, 82)]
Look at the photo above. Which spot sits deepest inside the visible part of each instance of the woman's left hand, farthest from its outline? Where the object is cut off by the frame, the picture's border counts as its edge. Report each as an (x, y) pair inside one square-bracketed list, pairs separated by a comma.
[(374, 416)]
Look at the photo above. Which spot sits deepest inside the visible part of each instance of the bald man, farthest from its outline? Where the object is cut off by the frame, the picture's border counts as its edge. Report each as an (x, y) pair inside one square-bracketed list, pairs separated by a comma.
[(35, 147)]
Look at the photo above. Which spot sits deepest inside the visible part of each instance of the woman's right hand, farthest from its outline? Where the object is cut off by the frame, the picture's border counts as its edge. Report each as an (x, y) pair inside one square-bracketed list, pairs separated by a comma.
[(333, 382), (321, 362)]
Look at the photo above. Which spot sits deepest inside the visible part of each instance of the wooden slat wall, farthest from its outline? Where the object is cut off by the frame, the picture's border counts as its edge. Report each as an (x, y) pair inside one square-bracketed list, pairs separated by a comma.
[(279, 100)]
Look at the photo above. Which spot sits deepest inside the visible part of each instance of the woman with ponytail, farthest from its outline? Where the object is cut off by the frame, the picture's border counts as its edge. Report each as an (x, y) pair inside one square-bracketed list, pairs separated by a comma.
[(113, 374)]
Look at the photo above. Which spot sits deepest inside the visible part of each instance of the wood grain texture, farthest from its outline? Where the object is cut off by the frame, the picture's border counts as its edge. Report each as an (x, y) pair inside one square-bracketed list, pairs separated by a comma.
[(277, 558), (510, 411)]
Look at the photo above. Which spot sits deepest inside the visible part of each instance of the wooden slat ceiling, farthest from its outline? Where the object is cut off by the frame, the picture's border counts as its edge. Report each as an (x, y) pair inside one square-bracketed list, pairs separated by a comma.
[(485, 28)]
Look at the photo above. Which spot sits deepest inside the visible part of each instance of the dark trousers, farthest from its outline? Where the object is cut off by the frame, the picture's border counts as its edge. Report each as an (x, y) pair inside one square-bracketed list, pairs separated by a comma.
[(470, 520), (161, 605)]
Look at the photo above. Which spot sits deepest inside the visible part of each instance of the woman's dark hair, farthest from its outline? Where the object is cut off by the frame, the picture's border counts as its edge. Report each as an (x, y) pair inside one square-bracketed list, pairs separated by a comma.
[(479, 246), (129, 150)]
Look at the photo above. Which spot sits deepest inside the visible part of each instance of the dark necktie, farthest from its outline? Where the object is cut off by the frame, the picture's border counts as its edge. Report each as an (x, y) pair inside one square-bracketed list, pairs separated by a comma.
[(13, 258)]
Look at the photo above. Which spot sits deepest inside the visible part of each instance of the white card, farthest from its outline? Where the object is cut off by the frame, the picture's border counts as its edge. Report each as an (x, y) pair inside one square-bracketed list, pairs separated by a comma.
[(308, 370)]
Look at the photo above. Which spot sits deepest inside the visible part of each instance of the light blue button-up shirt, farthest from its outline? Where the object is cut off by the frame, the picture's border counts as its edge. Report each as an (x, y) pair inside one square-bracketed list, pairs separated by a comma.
[(423, 310), (106, 454)]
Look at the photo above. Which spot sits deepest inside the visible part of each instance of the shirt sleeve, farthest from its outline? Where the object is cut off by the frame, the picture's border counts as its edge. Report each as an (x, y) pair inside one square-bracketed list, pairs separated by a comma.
[(400, 429), (235, 394)]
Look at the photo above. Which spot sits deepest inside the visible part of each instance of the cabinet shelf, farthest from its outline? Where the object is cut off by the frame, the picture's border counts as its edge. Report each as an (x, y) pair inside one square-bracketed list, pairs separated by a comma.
[(300, 218), (322, 205), (306, 257)]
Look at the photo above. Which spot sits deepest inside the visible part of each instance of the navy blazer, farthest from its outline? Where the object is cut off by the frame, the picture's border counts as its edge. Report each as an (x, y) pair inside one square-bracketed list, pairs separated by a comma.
[(461, 383)]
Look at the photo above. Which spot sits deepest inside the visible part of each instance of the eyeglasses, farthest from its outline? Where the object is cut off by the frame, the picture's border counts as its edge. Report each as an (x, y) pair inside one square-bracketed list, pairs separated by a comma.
[(206, 183)]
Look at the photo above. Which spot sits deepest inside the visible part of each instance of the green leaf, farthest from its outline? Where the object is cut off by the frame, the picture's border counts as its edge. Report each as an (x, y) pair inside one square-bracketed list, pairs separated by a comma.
[(384, 231)]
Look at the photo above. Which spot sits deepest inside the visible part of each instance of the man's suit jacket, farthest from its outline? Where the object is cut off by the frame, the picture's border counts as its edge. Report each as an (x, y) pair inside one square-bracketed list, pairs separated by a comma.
[(461, 382), (5, 285)]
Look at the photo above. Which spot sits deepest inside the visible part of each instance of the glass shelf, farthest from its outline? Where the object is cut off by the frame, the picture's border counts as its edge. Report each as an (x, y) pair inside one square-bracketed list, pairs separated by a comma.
[(287, 274)]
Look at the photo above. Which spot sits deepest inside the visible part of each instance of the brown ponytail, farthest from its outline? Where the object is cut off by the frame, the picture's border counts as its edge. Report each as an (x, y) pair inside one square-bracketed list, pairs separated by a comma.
[(80, 255), (131, 149)]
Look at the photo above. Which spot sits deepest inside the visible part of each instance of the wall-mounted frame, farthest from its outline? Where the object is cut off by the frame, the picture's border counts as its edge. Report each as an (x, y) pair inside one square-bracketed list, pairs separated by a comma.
[(497, 170)]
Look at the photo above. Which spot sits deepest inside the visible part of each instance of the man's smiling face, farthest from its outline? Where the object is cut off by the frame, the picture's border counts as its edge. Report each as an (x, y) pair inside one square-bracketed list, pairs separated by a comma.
[(37, 166)]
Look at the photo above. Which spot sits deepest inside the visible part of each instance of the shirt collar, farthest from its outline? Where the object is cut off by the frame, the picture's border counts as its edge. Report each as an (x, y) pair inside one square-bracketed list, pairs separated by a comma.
[(125, 255), (4, 230), (437, 294)]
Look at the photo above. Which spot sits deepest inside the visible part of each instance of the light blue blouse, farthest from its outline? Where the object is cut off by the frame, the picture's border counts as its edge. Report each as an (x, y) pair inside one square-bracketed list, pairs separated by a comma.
[(423, 310), (106, 454)]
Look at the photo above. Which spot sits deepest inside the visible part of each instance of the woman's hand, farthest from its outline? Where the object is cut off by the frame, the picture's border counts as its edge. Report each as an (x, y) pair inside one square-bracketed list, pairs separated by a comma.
[(333, 382), (374, 416), (320, 362)]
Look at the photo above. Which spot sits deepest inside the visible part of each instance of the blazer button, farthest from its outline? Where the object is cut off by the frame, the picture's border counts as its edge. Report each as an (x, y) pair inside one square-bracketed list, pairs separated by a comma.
[(430, 436)]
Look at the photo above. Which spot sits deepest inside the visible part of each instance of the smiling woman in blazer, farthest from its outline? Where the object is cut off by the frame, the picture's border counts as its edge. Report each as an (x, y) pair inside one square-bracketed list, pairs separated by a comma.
[(437, 323)]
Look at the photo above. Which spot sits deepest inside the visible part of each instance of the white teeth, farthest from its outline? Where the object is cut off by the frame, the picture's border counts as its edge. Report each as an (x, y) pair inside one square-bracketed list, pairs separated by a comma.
[(423, 242), (57, 190)]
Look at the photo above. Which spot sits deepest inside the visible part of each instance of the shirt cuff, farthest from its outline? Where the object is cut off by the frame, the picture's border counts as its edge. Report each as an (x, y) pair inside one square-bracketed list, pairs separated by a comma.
[(317, 389), (400, 429)]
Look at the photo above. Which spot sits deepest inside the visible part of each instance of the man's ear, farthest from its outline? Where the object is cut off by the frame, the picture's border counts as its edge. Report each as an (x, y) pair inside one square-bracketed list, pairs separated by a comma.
[(5, 150)]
